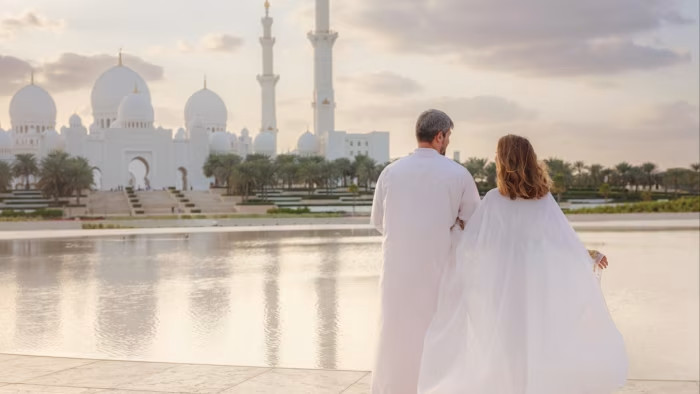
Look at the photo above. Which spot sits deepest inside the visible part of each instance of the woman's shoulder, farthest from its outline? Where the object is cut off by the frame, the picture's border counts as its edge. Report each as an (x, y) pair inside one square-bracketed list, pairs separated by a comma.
[(495, 194)]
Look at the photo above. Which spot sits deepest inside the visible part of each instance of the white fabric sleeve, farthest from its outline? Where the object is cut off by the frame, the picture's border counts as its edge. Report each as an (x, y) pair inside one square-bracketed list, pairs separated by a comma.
[(377, 218), (470, 198)]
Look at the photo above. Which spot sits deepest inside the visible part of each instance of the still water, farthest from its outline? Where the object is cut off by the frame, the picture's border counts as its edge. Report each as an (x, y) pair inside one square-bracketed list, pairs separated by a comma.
[(305, 299)]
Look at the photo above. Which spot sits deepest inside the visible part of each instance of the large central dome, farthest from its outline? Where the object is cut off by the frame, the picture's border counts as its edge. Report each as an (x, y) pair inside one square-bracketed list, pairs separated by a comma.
[(209, 107), (111, 87)]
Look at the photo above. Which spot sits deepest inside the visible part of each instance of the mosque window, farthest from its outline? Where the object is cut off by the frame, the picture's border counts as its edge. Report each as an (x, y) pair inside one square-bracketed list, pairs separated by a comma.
[(108, 122)]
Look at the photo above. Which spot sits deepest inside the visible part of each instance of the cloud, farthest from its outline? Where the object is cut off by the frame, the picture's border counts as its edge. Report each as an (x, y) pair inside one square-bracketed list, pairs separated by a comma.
[(73, 71), (221, 42), (213, 42), (478, 109), (15, 74), (537, 37), (10, 25), (384, 83)]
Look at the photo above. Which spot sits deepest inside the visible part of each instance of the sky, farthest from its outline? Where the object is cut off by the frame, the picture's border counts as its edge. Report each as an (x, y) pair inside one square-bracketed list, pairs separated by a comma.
[(599, 81)]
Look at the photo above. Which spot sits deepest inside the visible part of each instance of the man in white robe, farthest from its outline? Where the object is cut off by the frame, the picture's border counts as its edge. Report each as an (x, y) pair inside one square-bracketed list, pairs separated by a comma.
[(421, 203)]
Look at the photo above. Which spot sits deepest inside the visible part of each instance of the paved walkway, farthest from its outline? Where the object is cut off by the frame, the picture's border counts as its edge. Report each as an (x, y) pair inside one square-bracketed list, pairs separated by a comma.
[(30, 374)]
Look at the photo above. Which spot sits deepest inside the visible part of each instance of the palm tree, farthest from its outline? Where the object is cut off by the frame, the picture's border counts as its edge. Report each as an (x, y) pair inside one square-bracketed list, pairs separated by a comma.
[(491, 174), (636, 175), (695, 167), (476, 166), (560, 167), (5, 176), (674, 177), (25, 166), (365, 170), (623, 173), (262, 171), (53, 177), (210, 168), (310, 170), (559, 185), (595, 171), (287, 169), (344, 167), (79, 176), (355, 191), (649, 169), (579, 166), (604, 190)]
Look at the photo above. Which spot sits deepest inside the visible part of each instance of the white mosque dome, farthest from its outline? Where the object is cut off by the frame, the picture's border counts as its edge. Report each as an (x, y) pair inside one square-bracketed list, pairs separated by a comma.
[(135, 111), (34, 106), (210, 107), (75, 121), (264, 143), (111, 87), (245, 132), (307, 144), (219, 142), (180, 135), (53, 141)]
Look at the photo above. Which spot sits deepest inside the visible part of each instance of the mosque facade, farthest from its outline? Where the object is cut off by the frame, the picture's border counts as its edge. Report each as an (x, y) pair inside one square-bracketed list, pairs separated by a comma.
[(122, 133)]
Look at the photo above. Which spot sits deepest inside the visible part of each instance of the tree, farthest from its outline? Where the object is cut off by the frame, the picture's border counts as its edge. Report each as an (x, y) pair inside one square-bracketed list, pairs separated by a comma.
[(210, 168), (596, 174), (476, 166), (25, 166), (79, 176), (287, 169), (559, 185), (636, 177), (579, 166), (53, 175), (491, 175), (623, 173), (5, 176), (262, 171), (355, 191), (344, 168), (310, 171), (648, 168), (604, 190), (695, 167), (365, 170), (560, 167), (674, 177)]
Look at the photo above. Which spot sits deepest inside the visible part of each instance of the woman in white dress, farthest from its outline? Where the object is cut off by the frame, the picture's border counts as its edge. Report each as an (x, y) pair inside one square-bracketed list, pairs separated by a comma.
[(521, 311)]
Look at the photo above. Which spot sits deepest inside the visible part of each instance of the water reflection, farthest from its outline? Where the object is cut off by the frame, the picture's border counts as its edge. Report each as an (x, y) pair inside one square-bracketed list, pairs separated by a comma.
[(327, 308), (304, 299)]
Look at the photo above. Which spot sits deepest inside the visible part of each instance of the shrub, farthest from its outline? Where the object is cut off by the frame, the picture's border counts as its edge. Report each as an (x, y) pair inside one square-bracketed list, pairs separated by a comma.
[(297, 211), (139, 212), (189, 205), (195, 210)]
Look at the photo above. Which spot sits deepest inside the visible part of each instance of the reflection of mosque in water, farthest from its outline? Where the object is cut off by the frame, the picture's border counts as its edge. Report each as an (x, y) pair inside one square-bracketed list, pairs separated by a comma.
[(259, 298)]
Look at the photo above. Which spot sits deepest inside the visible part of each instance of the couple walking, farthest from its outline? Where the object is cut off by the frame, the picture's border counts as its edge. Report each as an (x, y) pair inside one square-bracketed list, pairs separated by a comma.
[(492, 296)]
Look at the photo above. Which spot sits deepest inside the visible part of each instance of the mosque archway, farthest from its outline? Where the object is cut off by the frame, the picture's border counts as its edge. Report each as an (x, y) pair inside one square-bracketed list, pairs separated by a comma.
[(96, 178), (181, 182), (139, 170)]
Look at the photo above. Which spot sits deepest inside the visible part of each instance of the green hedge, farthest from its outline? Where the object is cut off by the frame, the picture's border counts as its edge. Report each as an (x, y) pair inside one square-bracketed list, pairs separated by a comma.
[(39, 213), (297, 211), (684, 204)]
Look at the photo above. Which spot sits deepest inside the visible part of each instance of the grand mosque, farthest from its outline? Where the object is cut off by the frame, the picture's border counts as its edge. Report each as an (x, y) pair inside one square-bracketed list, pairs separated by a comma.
[(123, 133)]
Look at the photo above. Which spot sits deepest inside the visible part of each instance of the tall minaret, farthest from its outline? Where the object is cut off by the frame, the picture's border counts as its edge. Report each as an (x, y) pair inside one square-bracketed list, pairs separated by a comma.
[(268, 79), (322, 40)]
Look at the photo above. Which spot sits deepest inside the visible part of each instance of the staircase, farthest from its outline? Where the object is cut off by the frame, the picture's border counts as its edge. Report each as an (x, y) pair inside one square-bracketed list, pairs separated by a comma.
[(108, 203)]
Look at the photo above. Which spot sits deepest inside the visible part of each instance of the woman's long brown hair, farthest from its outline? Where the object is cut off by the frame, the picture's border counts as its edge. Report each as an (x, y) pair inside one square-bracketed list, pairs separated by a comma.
[(520, 175)]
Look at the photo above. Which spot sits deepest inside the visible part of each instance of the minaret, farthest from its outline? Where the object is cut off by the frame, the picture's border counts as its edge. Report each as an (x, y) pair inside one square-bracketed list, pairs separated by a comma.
[(268, 79), (322, 39)]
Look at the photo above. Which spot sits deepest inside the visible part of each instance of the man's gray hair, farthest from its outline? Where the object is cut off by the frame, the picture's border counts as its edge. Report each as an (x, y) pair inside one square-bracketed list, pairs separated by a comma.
[(432, 122)]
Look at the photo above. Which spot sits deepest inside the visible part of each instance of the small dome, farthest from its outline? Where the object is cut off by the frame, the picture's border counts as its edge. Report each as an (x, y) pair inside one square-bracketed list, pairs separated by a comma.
[(111, 87), (219, 142), (180, 135), (245, 133), (210, 107), (34, 106), (53, 141), (307, 144), (265, 143), (75, 121), (135, 111)]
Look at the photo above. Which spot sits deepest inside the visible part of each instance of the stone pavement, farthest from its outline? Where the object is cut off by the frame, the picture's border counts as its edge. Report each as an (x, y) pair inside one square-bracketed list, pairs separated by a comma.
[(30, 374)]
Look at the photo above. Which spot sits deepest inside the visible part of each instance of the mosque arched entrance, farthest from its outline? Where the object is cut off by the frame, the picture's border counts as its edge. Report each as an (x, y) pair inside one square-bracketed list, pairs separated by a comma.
[(181, 179), (139, 170)]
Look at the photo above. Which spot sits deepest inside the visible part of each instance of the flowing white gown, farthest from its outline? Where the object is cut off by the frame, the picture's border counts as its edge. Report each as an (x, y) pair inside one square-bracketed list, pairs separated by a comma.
[(521, 311)]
